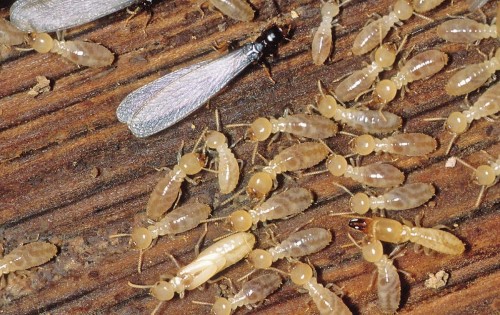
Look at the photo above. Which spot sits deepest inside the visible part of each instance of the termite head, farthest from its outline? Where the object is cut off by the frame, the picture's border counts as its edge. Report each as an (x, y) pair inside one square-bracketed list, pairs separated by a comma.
[(221, 307), (336, 164), (215, 139), (141, 237), (330, 9), (163, 291), (360, 224), (362, 145), (240, 221), (260, 129), (41, 42), (456, 123), (385, 55), (360, 203), (259, 185), (192, 163), (270, 39), (372, 250)]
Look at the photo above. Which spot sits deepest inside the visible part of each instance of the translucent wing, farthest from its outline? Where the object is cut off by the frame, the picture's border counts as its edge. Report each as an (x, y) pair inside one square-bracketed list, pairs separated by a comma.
[(54, 15), (185, 91)]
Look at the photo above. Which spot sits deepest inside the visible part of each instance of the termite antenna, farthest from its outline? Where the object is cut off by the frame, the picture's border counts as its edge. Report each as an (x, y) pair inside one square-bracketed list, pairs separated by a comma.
[(202, 303), (140, 286), (448, 148), (344, 188)]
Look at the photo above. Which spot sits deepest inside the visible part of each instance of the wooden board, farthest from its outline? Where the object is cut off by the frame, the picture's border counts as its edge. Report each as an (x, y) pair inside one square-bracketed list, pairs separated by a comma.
[(72, 174)]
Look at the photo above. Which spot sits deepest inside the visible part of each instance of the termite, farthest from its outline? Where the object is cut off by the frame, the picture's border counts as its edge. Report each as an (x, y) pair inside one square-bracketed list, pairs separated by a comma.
[(405, 197), (177, 221), (297, 157), (381, 175), (368, 121), (467, 31), (388, 230), (217, 257), (421, 66), (326, 301), (407, 144), (373, 33), (485, 175), (472, 77), (361, 80), (239, 10), (27, 256), (488, 104), (10, 35), (422, 6), (168, 189), (297, 244)]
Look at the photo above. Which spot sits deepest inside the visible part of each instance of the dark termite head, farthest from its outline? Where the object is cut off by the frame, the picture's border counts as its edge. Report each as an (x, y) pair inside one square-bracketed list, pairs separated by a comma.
[(270, 39), (360, 224)]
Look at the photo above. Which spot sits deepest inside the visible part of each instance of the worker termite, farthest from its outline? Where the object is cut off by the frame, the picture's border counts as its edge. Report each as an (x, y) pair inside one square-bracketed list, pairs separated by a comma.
[(421, 66), (373, 33), (326, 301), (297, 157), (388, 230), (488, 104), (467, 31), (10, 35), (167, 190), (405, 197), (369, 121), (215, 258), (422, 6), (407, 144), (177, 221), (27, 256), (252, 292), (239, 10), (361, 80), (485, 175), (297, 244), (472, 77)]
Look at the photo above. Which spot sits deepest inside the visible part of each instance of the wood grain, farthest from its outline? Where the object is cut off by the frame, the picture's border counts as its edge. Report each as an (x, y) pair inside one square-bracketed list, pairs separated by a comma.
[(52, 145)]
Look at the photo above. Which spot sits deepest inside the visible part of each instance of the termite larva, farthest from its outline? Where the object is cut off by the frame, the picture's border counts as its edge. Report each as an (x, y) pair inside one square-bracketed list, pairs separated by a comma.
[(165, 101), (472, 77), (322, 40), (252, 292), (407, 144), (236, 9), (421, 66), (369, 121), (374, 175), (361, 80), (373, 33), (467, 31), (297, 244), (388, 230), (10, 35), (27, 256), (228, 170), (217, 257), (297, 157), (405, 197), (326, 301), (422, 6)]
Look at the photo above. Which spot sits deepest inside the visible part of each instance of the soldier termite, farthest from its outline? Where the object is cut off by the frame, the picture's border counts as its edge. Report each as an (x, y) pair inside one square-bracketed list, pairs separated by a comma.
[(165, 101), (421, 66), (177, 221), (236, 9), (326, 301), (361, 80), (252, 292), (422, 6), (407, 144), (217, 257), (405, 197), (297, 157), (373, 33), (388, 230), (467, 31), (485, 175), (27, 256), (369, 121), (297, 244), (488, 104), (472, 77)]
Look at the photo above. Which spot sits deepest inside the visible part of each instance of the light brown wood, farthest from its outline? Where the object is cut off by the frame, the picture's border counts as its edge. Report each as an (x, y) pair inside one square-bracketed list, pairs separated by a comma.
[(53, 146)]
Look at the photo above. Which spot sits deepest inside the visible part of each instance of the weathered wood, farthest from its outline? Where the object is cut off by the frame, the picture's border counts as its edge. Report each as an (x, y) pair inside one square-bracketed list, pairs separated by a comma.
[(52, 144)]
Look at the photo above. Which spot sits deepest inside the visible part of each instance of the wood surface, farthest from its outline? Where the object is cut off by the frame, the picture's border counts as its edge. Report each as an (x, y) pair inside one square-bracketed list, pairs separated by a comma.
[(70, 173)]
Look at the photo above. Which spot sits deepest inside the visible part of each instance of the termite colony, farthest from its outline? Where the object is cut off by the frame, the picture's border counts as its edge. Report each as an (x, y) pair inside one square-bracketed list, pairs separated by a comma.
[(242, 196)]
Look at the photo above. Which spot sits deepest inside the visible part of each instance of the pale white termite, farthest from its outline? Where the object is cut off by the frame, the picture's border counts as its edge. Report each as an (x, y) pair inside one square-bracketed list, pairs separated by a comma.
[(297, 157), (228, 170), (407, 144), (472, 77), (217, 257), (405, 197), (27, 256), (369, 121), (297, 244), (485, 175), (422, 6), (252, 292), (373, 33), (179, 220), (322, 40), (381, 175), (361, 80), (10, 35), (468, 31), (236, 9), (388, 230), (326, 301), (421, 66)]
